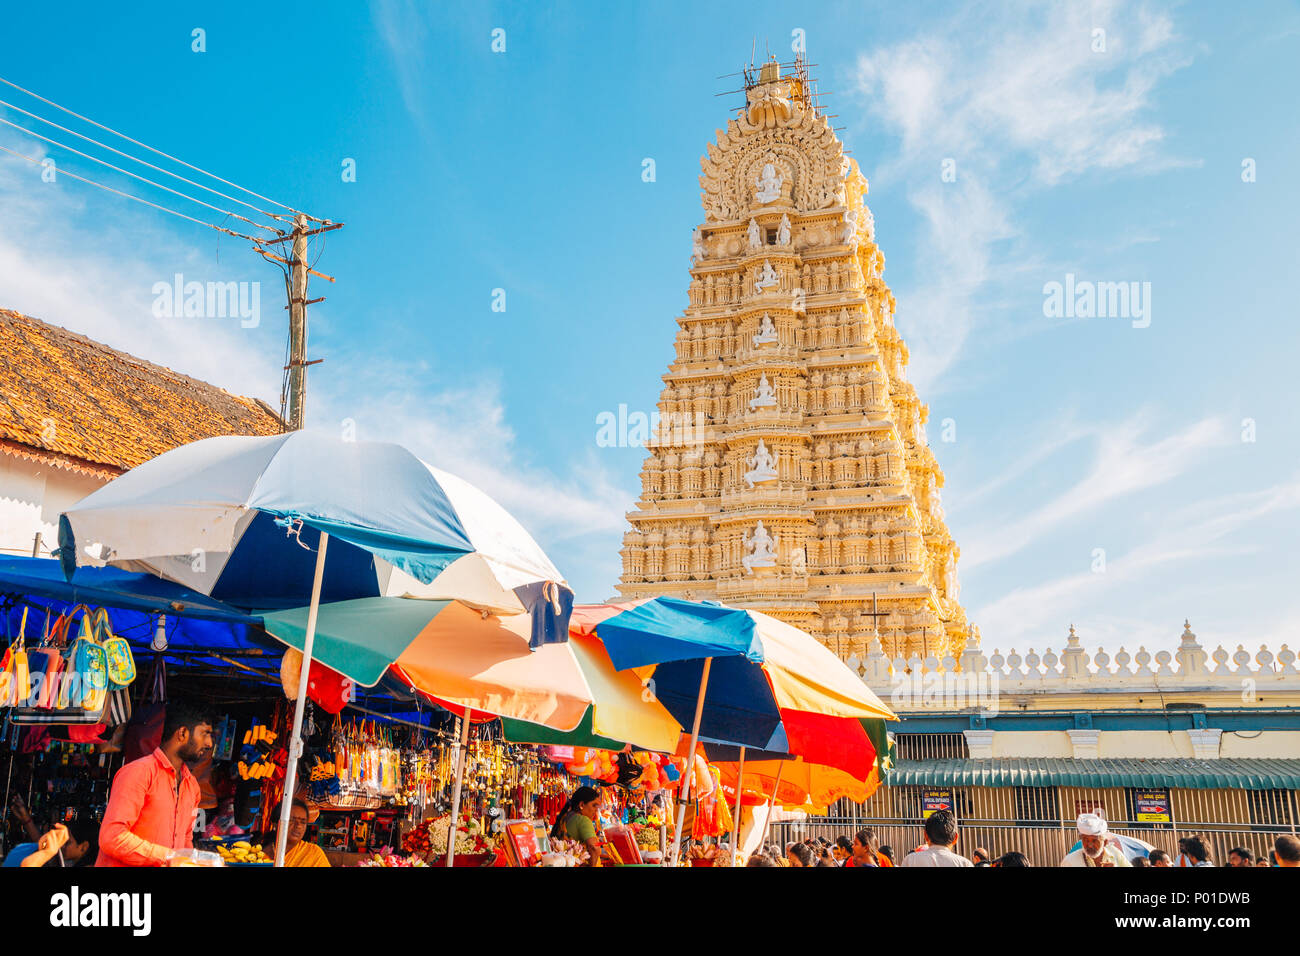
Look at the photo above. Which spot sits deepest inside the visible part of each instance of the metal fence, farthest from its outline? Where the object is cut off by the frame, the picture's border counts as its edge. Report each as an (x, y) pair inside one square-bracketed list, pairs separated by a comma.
[(1040, 821)]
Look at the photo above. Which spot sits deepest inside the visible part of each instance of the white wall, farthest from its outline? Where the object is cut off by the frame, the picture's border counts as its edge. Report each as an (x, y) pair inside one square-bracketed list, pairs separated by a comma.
[(32, 496)]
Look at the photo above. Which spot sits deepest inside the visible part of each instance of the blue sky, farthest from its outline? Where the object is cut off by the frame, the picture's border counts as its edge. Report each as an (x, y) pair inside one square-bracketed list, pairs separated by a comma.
[(522, 171)]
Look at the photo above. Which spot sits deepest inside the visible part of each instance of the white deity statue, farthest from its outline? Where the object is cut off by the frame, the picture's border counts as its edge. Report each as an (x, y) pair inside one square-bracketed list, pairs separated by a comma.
[(762, 466), (783, 231), (768, 185), (752, 236), (760, 549), (764, 394), (697, 247), (767, 278), (850, 225), (766, 331)]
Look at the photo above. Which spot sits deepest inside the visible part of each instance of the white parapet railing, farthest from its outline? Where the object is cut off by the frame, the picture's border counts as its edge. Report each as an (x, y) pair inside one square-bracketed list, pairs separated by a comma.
[(1074, 670)]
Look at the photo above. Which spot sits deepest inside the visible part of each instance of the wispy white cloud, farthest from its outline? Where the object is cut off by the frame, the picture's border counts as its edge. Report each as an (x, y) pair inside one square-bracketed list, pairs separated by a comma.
[(1020, 99), (465, 431), (1036, 613), (405, 31), (1124, 464), (78, 257)]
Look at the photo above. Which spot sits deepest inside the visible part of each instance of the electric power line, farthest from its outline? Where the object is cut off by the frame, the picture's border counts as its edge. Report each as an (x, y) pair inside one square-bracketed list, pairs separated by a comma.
[(159, 152), (63, 172), (165, 172), (119, 169)]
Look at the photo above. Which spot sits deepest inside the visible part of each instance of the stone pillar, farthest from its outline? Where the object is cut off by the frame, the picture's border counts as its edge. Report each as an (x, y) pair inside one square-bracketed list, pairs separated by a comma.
[(1074, 659), (1190, 655), (1083, 740), (980, 744), (1205, 743)]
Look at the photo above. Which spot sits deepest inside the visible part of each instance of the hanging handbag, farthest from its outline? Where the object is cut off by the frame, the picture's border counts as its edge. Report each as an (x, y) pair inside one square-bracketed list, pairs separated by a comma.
[(121, 665), (15, 684), (90, 665), (75, 701), (44, 664), (119, 707)]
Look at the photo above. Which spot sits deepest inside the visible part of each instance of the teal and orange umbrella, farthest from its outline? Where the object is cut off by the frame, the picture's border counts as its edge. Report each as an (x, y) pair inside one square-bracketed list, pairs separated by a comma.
[(743, 678)]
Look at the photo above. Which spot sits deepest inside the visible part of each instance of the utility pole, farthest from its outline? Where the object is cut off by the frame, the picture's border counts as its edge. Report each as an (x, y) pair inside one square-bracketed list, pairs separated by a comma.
[(294, 398), (298, 324)]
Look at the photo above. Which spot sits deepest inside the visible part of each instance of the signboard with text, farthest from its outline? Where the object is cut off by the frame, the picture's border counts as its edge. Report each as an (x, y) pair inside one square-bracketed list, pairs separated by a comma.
[(1152, 806), (933, 799)]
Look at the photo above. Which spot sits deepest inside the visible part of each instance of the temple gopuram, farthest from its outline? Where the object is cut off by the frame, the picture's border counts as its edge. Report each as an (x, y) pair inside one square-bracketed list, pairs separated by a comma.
[(790, 471)]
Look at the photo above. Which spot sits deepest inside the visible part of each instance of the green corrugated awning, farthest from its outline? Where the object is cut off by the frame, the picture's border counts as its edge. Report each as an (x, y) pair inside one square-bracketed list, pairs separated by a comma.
[(1239, 774)]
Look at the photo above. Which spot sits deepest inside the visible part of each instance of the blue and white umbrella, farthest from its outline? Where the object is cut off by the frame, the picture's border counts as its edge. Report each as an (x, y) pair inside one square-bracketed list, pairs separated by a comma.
[(240, 519), (248, 521)]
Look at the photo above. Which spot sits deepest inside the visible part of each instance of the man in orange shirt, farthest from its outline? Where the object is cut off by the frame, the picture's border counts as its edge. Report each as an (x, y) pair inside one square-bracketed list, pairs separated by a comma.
[(152, 805)]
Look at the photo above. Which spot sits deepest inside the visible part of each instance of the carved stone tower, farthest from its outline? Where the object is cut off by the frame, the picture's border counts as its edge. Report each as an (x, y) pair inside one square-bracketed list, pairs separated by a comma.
[(790, 471)]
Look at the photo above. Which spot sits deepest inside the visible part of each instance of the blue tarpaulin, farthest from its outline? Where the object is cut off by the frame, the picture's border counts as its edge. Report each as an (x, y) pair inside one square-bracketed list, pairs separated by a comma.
[(195, 623)]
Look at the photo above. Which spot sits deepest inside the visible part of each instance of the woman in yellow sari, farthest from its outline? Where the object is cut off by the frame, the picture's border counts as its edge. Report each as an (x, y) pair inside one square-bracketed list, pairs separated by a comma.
[(297, 851)]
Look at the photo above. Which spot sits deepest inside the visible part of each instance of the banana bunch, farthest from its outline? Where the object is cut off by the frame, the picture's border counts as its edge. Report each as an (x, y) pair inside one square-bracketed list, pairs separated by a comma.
[(243, 852)]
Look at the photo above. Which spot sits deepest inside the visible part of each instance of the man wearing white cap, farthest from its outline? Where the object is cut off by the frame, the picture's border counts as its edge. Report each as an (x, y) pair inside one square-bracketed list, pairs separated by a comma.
[(1095, 851)]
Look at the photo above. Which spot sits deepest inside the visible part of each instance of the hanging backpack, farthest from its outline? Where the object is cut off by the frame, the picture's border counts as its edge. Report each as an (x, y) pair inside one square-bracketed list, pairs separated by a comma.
[(121, 665), (89, 663)]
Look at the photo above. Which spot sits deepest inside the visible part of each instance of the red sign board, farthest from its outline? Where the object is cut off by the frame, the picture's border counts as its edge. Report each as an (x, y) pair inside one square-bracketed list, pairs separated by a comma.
[(521, 843)]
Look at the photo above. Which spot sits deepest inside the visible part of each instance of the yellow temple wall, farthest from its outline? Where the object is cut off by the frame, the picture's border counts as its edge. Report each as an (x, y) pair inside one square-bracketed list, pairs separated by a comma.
[(1144, 744), (1270, 743), (1031, 743)]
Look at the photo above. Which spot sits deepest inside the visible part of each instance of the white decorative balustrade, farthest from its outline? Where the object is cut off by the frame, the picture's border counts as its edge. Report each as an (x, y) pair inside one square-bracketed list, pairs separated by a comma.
[(1074, 670)]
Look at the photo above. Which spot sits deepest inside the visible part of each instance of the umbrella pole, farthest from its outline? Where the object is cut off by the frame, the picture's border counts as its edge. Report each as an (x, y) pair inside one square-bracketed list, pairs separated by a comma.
[(455, 790), (684, 793), (295, 742), (735, 817), (767, 820)]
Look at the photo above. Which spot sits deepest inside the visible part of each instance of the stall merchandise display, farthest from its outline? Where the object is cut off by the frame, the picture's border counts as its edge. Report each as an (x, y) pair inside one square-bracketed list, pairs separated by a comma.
[(471, 839), (565, 853), (392, 860), (241, 852)]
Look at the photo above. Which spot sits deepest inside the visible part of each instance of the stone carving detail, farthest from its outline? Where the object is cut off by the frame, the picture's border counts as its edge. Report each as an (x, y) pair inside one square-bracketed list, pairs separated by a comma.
[(850, 225), (764, 394), (783, 231), (762, 466), (767, 277), (804, 141), (697, 248), (768, 186), (766, 331), (752, 237), (760, 549)]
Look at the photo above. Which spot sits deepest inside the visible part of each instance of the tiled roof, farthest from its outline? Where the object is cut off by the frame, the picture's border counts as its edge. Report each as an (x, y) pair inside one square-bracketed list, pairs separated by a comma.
[(75, 403)]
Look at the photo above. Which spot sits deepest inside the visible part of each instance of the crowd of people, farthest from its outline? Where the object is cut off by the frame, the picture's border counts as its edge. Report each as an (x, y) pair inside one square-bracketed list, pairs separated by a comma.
[(153, 801), (1097, 848)]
